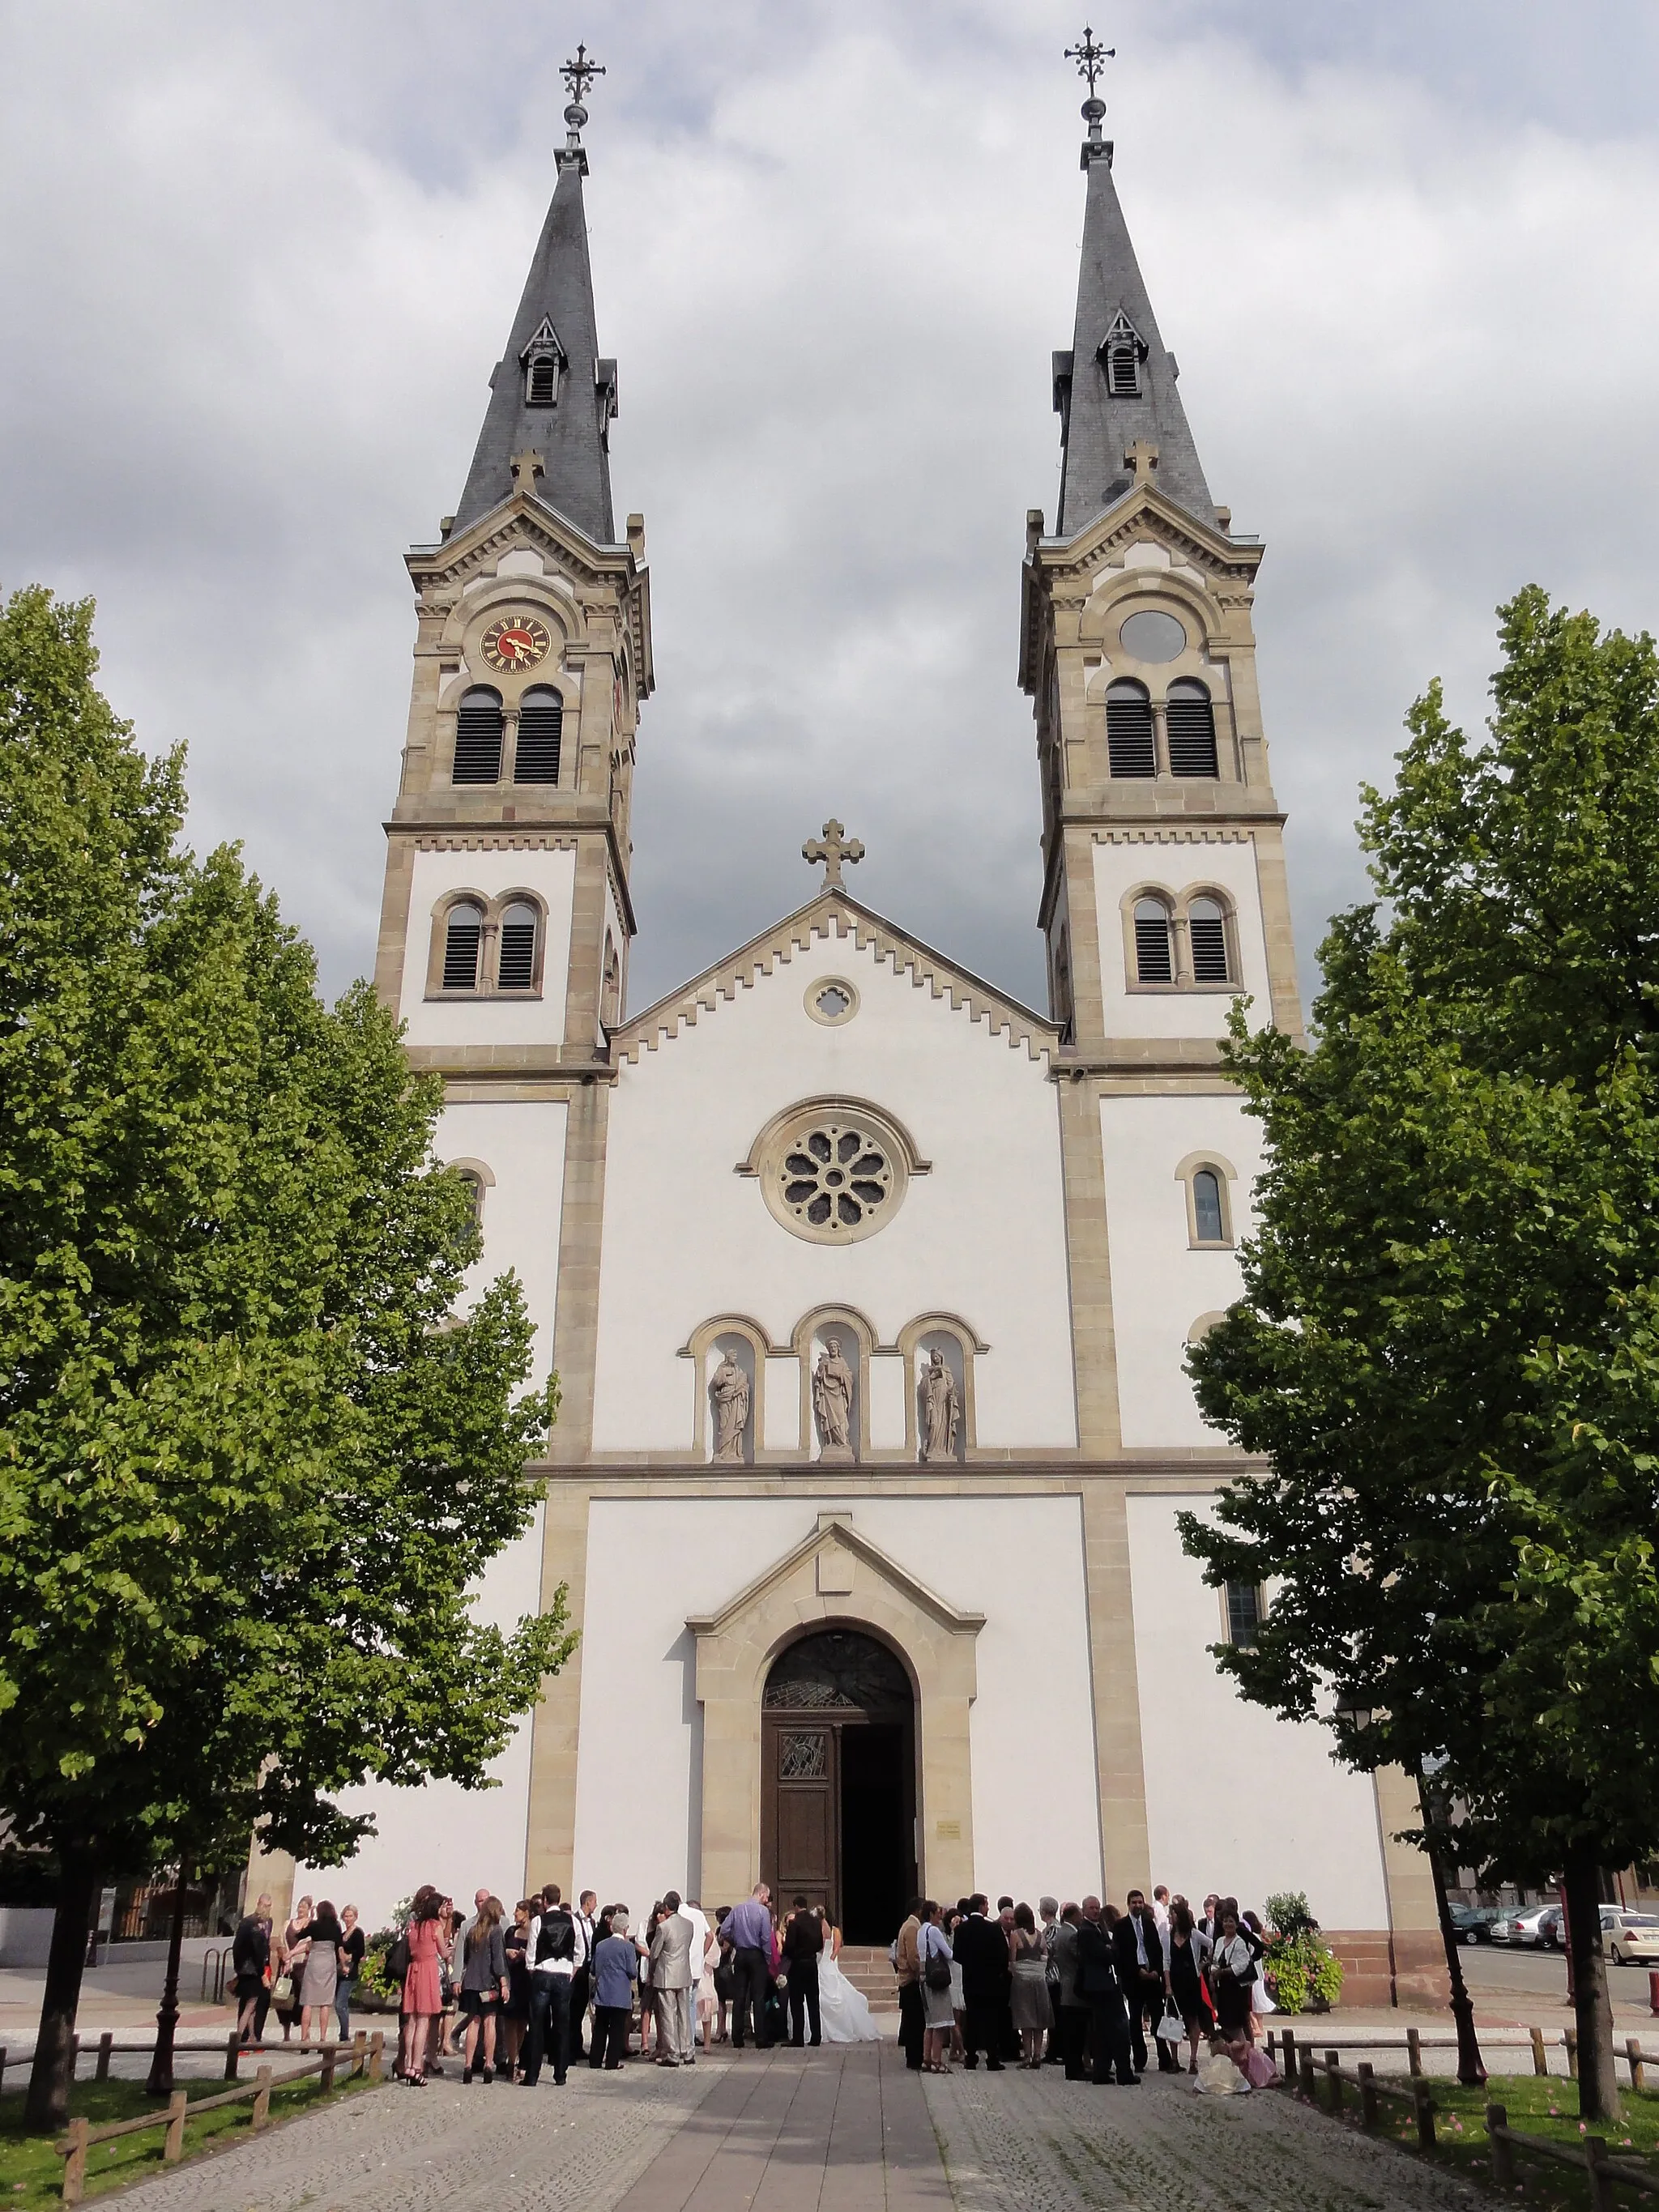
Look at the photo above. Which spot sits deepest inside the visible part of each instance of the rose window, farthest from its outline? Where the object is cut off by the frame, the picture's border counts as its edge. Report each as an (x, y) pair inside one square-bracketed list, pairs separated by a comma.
[(836, 1176)]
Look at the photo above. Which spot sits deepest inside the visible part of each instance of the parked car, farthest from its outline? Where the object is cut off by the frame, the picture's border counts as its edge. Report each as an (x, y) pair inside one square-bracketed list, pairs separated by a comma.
[(1474, 1923), (1630, 1939), (1539, 1925)]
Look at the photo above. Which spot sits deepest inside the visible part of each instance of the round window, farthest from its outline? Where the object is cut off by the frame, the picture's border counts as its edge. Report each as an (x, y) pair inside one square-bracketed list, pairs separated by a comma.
[(833, 1174), (1152, 636), (832, 999)]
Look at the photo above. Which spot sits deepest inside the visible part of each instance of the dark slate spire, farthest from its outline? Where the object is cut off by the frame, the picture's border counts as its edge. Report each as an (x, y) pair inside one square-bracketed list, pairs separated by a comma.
[(1103, 414), (553, 354)]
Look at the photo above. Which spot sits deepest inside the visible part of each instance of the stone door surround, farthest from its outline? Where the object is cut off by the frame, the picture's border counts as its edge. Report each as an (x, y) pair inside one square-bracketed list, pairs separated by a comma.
[(835, 1578)]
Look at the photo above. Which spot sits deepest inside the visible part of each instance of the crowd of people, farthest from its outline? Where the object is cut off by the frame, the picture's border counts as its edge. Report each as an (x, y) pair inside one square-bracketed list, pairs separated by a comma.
[(559, 1984), (550, 1984), (1082, 1986)]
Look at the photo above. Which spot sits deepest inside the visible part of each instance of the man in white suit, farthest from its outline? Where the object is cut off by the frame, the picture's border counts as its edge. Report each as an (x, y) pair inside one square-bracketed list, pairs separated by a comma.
[(672, 1983)]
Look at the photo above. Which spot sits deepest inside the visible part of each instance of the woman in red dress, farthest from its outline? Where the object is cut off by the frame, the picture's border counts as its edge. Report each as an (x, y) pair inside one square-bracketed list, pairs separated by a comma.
[(423, 1993)]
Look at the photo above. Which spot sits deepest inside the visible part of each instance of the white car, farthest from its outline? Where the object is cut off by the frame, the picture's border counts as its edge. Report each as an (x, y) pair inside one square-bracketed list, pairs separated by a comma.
[(1540, 1924), (1630, 1939)]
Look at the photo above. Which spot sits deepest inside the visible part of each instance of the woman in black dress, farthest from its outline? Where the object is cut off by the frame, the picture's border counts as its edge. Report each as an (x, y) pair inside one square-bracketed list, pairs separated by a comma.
[(1232, 1973), (1190, 1951), (515, 2014)]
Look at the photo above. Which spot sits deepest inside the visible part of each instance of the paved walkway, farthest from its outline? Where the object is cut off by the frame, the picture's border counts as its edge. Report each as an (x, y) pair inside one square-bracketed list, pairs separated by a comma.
[(840, 2130)]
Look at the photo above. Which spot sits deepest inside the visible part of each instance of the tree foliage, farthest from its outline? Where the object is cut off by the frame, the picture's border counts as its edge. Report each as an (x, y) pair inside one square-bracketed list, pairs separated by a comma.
[(250, 1457), (1448, 1346)]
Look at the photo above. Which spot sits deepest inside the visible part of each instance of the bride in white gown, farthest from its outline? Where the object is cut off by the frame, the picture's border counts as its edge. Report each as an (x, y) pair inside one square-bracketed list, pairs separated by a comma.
[(844, 2013)]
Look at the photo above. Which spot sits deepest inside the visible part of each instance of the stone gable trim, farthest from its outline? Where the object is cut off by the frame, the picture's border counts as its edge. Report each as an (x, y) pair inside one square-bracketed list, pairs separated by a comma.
[(837, 917), (493, 841), (1167, 834)]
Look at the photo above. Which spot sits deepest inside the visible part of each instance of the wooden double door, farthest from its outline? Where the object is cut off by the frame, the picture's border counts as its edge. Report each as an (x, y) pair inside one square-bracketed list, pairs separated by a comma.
[(838, 1815)]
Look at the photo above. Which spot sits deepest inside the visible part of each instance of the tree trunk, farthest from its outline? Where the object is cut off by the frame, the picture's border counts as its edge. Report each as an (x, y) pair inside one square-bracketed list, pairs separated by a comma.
[(1471, 2068), (47, 2106), (167, 2018), (1598, 2086)]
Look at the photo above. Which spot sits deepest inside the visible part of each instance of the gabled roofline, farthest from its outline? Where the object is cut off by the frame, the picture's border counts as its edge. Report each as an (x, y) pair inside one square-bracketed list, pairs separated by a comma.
[(836, 913)]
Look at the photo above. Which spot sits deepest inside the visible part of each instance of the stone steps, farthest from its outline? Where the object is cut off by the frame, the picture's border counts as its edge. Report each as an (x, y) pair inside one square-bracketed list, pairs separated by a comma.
[(866, 1968)]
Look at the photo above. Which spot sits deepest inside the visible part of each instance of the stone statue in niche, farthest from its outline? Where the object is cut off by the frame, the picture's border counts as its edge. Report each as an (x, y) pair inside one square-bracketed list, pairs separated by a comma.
[(832, 1402), (941, 1408), (729, 1390)]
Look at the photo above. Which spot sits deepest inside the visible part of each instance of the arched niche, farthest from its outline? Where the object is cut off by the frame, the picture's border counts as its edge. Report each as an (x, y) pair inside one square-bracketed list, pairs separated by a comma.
[(856, 1340), (746, 1344)]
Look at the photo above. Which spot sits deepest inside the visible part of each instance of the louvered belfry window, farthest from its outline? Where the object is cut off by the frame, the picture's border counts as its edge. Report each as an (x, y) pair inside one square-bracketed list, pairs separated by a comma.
[(1130, 748), (462, 936), (1192, 731), (515, 962), (541, 721), (1123, 371), (544, 381), (1207, 932), (1153, 963), (478, 728)]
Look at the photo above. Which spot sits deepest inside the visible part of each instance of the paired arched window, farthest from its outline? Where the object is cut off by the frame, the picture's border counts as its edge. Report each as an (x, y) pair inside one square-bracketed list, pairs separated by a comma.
[(1131, 748), (541, 724), (1154, 955), (1206, 935), (1190, 714), (515, 961), (463, 938), (478, 728)]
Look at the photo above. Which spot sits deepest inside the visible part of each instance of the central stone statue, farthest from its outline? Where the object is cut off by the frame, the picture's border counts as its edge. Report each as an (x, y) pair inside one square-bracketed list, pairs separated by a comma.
[(832, 1402), (729, 1389), (941, 1408)]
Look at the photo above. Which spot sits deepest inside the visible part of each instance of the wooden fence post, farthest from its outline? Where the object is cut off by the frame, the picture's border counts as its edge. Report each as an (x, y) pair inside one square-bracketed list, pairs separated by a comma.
[(232, 2052), (376, 2055), (325, 2078), (104, 2041), (359, 2053), (1503, 2151), (1541, 2063), (173, 2149), (1601, 2181), (1415, 2052), (1423, 2099), (1287, 2055), (1368, 2093), (1334, 2075), (75, 2166), (1569, 2037), (1637, 2067), (262, 2101), (1304, 2060)]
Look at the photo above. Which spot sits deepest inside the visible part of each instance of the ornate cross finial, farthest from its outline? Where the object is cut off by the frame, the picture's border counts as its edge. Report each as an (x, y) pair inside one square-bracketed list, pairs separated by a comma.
[(832, 849), (526, 467), (1091, 58), (1142, 457), (578, 75)]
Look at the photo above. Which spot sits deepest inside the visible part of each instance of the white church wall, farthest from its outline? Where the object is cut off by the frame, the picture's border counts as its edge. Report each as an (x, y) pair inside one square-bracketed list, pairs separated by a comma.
[(521, 1142), (651, 1562), (440, 1833), (1236, 1800), (1178, 864), (552, 877), (686, 1239), (1160, 1286)]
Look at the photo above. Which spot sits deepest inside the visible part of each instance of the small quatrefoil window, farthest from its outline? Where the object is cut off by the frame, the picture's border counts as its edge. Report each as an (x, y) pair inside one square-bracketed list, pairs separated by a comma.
[(832, 999)]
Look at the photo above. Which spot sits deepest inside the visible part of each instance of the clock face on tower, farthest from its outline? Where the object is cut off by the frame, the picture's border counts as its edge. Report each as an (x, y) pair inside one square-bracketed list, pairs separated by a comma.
[(516, 641)]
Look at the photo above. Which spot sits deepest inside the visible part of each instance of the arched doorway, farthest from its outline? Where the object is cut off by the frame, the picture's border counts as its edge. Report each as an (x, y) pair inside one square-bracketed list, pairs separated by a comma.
[(838, 1781)]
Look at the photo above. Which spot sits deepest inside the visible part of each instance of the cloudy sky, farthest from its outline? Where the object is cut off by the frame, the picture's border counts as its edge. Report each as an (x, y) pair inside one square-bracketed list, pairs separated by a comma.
[(257, 263)]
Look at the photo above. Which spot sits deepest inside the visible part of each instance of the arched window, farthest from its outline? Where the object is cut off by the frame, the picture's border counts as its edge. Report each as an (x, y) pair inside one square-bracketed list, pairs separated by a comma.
[(1244, 1614), (472, 1183), (1123, 370), (1209, 1223), (1207, 932), (478, 737), (542, 382), (1191, 715), (462, 934), (1153, 962), (1130, 750), (541, 720), (515, 962)]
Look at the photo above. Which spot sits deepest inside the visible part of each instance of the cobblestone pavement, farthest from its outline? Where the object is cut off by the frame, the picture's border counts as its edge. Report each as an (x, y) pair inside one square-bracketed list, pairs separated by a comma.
[(839, 2129), (1016, 2141)]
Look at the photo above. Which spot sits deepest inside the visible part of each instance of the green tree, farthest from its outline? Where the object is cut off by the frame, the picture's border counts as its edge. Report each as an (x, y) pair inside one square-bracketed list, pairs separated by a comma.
[(250, 1457), (1448, 1346)]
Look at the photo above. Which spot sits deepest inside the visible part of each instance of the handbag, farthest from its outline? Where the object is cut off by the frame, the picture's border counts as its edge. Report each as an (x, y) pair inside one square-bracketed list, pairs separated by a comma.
[(1171, 2028), (281, 1991), (936, 1973), (397, 1961)]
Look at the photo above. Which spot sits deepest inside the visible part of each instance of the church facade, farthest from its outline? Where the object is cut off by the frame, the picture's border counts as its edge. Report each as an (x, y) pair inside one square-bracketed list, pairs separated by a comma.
[(868, 1288)]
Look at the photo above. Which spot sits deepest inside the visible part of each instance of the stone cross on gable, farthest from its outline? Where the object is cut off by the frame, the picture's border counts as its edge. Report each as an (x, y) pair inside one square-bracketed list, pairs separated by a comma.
[(1142, 459), (832, 849), (526, 467)]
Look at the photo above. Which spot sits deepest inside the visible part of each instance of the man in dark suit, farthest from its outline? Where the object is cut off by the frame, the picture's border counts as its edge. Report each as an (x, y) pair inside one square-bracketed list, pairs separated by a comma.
[(981, 1950), (1101, 1991), (803, 1947), (1140, 1952)]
